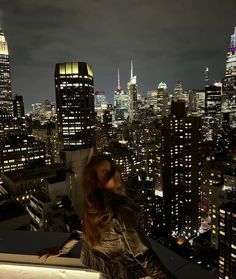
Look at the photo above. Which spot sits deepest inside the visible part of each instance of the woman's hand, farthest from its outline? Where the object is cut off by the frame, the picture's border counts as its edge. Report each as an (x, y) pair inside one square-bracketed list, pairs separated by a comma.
[(49, 252)]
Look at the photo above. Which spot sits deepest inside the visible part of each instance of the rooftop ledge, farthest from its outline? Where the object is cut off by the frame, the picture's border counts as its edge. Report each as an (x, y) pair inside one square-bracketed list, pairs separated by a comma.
[(19, 259)]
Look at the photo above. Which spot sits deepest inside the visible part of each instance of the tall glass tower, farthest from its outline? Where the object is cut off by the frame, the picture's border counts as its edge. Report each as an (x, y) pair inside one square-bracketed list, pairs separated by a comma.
[(75, 105), (132, 89), (6, 105), (229, 82)]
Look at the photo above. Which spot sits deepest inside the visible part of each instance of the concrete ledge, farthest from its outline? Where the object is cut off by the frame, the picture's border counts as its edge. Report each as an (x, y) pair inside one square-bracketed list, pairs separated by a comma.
[(180, 267), (20, 248)]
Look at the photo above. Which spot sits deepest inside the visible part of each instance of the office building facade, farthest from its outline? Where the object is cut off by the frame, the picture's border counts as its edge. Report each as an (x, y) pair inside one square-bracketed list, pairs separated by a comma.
[(75, 105), (181, 171)]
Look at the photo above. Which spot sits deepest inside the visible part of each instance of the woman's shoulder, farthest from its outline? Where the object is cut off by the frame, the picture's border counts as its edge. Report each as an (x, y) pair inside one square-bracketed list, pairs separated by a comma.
[(119, 203)]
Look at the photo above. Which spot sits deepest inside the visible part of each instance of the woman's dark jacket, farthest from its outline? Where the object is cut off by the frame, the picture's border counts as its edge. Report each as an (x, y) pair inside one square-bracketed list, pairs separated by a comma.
[(124, 252)]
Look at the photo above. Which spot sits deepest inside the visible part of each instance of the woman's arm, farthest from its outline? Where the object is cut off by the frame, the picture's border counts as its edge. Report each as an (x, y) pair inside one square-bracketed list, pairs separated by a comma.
[(65, 248), (71, 242)]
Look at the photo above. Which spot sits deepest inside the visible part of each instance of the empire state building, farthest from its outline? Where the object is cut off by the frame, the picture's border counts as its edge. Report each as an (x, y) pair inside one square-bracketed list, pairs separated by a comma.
[(6, 105), (229, 82)]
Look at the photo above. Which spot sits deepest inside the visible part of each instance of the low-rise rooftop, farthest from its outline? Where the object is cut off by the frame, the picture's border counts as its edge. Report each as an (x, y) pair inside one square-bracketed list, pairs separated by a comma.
[(10, 209)]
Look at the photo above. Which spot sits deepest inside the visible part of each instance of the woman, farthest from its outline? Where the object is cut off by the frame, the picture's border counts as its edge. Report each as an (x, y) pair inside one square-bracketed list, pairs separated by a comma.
[(112, 241)]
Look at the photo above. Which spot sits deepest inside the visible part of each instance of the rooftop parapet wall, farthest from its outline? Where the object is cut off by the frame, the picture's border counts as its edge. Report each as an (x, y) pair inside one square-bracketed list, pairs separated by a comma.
[(18, 255)]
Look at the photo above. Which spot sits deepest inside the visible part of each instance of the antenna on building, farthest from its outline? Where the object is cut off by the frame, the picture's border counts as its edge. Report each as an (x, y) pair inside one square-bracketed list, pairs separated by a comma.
[(118, 80)]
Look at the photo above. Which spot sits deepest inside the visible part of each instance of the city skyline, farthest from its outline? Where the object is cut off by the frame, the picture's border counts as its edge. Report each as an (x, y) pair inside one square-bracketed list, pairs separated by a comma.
[(147, 38), (157, 163)]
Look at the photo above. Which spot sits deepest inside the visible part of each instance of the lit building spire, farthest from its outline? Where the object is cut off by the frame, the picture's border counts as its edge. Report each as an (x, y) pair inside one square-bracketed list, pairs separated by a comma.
[(132, 70), (118, 80)]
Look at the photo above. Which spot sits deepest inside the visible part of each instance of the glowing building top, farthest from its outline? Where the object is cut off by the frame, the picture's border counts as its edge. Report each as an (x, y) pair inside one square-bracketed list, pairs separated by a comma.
[(75, 105), (162, 85), (6, 105), (231, 57), (3, 44), (133, 79)]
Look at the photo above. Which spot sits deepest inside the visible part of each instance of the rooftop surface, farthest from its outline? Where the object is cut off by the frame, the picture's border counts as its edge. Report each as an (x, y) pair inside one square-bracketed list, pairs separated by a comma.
[(41, 196), (18, 259), (10, 209), (35, 173)]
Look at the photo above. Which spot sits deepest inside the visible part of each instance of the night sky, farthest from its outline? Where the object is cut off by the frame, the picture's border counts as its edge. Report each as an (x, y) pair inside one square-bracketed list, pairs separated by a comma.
[(168, 40)]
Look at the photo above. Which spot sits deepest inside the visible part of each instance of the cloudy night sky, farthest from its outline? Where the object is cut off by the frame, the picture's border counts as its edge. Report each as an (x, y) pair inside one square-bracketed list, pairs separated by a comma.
[(168, 40)]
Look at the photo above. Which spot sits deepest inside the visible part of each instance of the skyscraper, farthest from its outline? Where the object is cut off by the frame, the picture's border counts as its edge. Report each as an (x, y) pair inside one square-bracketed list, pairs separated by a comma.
[(152, 100), (18, 107), (132, 88), (100, 100), (181, 175), (100, 103), (200, 102), (222, 192), (162, 99), (121, 101), (206, 77), (227, 240), (75, 105), (213, 101), (76, 122), (178, 91), (5, 77), (229, 82)]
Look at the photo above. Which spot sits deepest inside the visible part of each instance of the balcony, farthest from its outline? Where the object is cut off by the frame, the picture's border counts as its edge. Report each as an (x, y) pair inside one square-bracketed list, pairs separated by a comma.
[(19, 260)]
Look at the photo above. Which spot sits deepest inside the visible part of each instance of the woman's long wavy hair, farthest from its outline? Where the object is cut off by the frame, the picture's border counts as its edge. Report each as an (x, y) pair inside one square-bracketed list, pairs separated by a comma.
[(96, 214)]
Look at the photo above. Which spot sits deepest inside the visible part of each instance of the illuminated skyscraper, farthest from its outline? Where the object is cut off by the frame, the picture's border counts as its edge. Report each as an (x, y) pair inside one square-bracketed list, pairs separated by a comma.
[(181, 171), (206, 77), (222, 192), (213, 101), (229, 82), (162, 99), (6, 105), (121, 101), (178, 91), (132, 88), (76, 122), (152, 100), (100, 99), (227, 240), (200, 102), (18, 107), (75, 105), (100, 103), (158, 100)]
